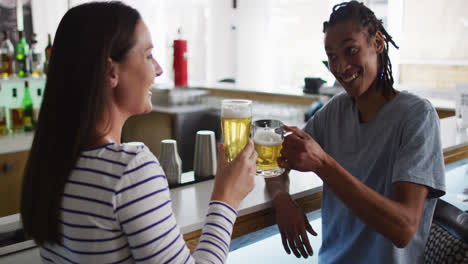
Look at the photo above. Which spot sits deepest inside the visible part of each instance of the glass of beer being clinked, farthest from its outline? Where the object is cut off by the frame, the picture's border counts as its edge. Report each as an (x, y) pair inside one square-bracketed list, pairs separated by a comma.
[(236, 118), (268, 137)]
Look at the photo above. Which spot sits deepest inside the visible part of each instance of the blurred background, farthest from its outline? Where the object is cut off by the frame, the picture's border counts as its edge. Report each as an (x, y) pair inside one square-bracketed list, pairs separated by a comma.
[(270, 45)]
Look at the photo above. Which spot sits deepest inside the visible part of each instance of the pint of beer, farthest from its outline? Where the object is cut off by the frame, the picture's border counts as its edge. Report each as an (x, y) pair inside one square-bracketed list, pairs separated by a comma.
[(268, 139), (236, 118)]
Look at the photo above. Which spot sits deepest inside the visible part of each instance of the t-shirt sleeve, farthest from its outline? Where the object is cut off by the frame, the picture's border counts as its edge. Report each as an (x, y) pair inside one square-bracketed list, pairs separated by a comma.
[(315, 125), (144, 210), (420, 158)]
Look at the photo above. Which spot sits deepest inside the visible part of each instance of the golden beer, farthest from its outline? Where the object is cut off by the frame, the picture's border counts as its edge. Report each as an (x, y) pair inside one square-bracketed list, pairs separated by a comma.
[(236, 119), (235, 133), (268, 144)]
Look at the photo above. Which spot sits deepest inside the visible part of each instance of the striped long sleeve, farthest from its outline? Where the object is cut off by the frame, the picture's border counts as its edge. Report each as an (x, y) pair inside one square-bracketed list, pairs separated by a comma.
[(145, 214), (117, 209)]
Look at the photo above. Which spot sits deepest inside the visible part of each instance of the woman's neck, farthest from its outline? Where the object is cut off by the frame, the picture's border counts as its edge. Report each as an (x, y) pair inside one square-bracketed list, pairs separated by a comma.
[(109, 129)]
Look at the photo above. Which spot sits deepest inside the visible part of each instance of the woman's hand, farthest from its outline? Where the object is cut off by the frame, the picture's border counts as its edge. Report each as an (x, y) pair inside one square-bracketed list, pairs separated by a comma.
[(293, 226), (301, 152), (234, 180)]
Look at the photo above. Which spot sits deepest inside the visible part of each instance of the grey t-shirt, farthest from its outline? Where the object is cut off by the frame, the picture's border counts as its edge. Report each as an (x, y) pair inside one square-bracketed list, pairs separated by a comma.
[(402, 143)]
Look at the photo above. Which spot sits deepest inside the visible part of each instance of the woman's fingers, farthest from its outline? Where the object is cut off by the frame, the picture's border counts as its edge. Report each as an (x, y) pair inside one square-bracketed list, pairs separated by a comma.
[(250, 150), (254, 154), (221, 153)]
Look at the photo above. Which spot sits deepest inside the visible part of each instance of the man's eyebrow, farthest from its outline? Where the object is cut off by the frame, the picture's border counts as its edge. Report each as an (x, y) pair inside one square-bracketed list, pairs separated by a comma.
[(347, 40), (344, 41)]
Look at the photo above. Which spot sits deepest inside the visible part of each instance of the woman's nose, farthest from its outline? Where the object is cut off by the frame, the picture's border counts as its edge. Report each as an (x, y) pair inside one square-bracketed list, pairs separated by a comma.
[(158, 68)]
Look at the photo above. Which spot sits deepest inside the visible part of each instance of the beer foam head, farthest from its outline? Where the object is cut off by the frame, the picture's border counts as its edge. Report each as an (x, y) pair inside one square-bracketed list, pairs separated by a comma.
[(267, 138), (236, 109)]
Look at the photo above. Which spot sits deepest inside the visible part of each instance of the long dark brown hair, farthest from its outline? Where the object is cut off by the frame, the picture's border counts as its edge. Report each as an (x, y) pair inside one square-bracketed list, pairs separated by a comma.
[(366, 19), (74, 102)]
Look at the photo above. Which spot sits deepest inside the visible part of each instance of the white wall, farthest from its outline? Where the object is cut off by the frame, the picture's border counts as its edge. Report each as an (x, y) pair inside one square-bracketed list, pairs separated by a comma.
[(221, 41), (434, 30), (276, 43), (253, 67), (46, 15)]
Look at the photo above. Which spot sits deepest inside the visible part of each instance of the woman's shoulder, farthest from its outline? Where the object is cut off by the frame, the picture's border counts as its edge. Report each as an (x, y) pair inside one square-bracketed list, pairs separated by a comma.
[(124, 153), (135, 147), (138, 152)]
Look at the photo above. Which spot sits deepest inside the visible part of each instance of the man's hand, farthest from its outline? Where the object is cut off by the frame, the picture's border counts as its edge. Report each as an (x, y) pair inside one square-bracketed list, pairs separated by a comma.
[(301, 152), (293, 226)]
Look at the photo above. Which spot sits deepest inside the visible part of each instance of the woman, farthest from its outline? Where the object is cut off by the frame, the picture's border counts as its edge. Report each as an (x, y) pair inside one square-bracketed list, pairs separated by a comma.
[(376, 149), (86, 197)]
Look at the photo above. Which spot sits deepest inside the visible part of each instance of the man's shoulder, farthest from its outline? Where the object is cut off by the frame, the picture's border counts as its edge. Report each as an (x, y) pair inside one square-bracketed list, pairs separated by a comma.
[(338, 103), (407, 100)]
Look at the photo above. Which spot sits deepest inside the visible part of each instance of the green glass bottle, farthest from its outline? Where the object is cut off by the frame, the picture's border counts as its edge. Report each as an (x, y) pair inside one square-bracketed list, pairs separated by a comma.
[(22, 50), (48, 51), (28, 114)]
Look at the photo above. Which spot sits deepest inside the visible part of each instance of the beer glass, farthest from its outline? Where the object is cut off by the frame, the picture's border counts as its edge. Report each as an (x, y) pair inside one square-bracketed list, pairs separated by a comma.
[(236, 118), (268, 137)]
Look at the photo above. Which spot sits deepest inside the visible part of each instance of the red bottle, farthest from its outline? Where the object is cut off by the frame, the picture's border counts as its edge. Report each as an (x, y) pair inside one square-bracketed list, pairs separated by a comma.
[(180, 62)]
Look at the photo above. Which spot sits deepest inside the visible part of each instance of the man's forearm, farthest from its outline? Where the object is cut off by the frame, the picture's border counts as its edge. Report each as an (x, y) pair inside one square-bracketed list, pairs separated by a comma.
[(278, 185)]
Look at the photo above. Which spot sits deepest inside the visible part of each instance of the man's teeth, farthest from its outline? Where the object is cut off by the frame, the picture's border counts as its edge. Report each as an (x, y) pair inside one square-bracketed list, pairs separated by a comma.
[(350, 78)]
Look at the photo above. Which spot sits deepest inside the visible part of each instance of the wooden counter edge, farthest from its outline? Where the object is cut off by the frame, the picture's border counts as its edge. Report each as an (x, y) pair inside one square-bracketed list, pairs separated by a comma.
[(455, 155), (256, 221)]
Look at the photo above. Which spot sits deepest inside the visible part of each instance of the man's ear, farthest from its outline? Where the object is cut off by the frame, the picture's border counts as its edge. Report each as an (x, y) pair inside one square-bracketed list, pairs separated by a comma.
[(379, 42), (112, 73)]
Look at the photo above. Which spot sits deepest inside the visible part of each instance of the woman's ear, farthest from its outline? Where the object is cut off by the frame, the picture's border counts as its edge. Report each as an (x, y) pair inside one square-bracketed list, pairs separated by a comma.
[(379, 42), (112, 73)]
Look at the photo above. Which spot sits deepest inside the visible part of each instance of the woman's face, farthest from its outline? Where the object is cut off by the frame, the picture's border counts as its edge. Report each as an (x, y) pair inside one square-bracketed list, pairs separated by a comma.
[(136, 74), (353, 59)]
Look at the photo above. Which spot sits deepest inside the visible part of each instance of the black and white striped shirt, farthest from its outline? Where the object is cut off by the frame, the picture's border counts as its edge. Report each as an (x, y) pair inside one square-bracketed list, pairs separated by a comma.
[(116, 208)]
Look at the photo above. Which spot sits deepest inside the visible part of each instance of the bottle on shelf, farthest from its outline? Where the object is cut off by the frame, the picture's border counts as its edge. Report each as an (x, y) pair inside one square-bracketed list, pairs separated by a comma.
[(3, 113), (28, 115), (16, 112), (36, 88), (48, 51), (35, 58), (22, 51), (7, 53)]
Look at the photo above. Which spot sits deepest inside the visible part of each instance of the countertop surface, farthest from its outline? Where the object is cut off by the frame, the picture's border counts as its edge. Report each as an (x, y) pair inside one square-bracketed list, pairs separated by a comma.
[(452, 137), (190, 202), (16, 142)]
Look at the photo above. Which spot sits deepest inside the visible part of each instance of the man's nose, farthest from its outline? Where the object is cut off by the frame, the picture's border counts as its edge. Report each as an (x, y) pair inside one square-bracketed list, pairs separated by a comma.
[(342, 65)]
